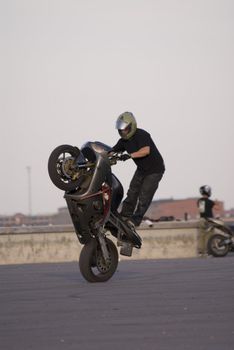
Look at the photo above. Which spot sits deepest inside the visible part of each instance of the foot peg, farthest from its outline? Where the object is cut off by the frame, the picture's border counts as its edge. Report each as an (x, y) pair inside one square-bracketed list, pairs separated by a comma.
[(126, 248)]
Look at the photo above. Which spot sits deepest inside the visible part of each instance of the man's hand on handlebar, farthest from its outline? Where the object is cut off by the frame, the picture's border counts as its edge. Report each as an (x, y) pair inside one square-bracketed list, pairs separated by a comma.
[(124, 157), (117, 156)]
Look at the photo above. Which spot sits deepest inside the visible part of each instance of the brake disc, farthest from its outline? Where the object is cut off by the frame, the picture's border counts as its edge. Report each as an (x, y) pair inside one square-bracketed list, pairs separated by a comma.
[(68, 168)]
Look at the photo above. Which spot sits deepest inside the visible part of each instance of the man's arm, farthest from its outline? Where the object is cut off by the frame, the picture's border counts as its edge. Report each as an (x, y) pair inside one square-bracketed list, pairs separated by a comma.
[(142, 152), (118, 147)]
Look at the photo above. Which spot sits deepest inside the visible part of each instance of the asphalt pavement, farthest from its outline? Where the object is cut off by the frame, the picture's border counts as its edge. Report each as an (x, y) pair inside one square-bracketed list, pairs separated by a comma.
[(148, 304)]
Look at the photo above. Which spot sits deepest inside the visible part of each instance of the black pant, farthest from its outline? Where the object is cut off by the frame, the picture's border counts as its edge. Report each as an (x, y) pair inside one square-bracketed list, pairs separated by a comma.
[(139, 196)]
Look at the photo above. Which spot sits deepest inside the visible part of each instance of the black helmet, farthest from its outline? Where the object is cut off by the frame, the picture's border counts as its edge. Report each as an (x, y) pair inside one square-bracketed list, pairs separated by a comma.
[(205, 190), (126, 125)]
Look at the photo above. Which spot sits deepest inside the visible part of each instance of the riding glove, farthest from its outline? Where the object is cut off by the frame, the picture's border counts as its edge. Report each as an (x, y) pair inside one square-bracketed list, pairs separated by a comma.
[(124, 157)]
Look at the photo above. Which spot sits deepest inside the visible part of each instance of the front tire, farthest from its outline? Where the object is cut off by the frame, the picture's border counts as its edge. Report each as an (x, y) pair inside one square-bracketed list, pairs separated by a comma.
[(216, 247), (92, 264), (60, 169)]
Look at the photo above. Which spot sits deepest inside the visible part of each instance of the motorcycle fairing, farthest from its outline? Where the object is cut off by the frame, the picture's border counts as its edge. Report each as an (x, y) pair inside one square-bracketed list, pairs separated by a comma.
[(98, 203), (93, 204)]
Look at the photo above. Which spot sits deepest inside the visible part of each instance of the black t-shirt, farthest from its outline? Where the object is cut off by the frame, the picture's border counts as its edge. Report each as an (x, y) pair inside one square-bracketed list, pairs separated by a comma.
[(205, 206), (152, 163)]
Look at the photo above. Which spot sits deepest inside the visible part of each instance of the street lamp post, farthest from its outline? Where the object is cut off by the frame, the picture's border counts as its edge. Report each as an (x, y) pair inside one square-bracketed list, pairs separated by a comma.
[(29, 191)]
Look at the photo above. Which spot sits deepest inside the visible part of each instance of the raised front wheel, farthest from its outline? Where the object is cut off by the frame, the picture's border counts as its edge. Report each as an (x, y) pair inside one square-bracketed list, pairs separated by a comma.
[(62, 167)]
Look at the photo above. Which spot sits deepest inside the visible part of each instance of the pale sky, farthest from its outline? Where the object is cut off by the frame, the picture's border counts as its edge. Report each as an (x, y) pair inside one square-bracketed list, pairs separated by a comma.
[(69, 68)]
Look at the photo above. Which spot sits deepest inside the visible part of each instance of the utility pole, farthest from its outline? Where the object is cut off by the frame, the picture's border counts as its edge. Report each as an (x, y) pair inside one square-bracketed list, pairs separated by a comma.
[(29, 191)]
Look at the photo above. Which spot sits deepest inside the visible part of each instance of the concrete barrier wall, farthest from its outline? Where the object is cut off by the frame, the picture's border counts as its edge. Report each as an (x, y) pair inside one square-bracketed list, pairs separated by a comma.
[(19, 245)]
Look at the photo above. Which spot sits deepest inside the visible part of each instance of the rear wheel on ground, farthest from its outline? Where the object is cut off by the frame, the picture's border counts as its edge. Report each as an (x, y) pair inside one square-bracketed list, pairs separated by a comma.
[(216, 245), (93, 266)]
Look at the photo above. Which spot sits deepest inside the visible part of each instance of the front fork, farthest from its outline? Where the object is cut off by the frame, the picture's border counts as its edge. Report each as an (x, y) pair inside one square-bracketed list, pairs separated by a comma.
[(102, 240)]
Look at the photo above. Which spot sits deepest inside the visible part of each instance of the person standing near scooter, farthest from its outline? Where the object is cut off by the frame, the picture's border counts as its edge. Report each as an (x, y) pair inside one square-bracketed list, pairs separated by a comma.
[(216, 238), (150, 167), (205, 204)]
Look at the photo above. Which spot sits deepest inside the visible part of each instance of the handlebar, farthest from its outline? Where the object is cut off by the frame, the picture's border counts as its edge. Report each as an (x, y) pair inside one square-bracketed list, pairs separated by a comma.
[(117, 156), (113, 157)]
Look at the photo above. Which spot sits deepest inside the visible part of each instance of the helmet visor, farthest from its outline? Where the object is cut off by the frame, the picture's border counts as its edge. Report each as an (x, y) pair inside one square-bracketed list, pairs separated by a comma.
[(124, 132), (121, 124)]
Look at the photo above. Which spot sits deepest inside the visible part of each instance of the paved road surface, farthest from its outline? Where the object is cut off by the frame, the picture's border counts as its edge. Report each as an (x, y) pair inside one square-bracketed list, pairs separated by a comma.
[(155, 305)]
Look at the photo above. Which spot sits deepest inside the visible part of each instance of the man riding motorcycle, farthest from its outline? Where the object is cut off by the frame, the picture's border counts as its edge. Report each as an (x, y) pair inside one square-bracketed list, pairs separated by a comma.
[(150, 167)]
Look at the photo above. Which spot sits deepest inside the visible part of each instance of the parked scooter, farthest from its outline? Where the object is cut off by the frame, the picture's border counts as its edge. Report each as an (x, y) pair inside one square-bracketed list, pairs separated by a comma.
[(222, 240), (93, 194)]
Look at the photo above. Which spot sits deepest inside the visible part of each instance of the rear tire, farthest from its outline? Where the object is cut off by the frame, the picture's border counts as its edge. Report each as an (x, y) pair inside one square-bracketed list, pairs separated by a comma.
[(92, 264), (215, 247)]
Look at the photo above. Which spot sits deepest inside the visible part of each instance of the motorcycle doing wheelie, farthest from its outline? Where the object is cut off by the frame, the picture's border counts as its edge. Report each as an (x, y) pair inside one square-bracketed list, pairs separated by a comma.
[(93, 194), (222, 239)]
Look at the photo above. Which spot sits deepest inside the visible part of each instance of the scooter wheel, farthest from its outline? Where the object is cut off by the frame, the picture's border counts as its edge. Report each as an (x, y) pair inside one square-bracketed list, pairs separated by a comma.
[(216, 246), (92, 265)]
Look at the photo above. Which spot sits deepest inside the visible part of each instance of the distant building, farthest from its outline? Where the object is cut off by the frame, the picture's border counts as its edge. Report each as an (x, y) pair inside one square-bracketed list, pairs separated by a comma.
[(229, 213), (62, 217), (165, 209)]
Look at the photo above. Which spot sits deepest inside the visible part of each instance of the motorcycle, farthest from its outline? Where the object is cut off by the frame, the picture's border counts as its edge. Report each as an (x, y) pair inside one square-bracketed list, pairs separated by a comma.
[(222, 240), (93, 195)]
